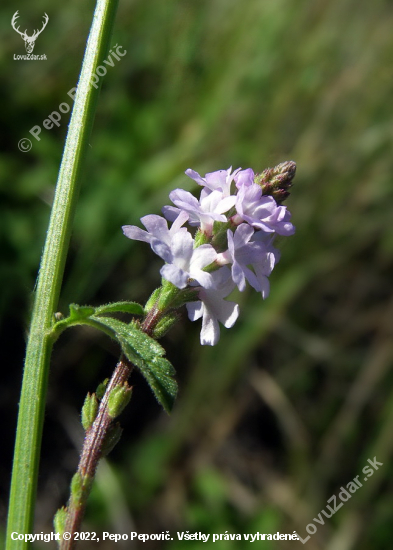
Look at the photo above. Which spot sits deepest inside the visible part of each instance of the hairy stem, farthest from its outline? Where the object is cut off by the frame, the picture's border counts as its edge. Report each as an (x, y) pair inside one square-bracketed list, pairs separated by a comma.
[(39, 347), (92, 452), (151, 319)]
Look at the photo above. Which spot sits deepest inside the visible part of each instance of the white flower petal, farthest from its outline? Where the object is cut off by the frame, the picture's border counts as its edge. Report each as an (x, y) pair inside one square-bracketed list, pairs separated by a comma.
[(182, 249), (202, 256), (180, 220), (174, 275), (136, 233), (170, 212), (195, 176), (229, 314), (210, 332), (203, 278), (161, 249), (194, 310), (155, 224), (225, 204)]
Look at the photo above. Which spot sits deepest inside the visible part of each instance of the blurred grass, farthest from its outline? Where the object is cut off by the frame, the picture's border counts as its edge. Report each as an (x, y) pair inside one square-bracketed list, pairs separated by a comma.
[(208, 85)]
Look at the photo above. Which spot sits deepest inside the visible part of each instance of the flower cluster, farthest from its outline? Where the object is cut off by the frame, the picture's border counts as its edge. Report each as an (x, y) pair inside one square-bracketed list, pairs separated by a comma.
[(237, 217)]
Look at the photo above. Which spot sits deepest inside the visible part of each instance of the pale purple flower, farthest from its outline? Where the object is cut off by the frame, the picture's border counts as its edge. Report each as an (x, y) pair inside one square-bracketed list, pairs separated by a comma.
[(184, 262), (215, 181), (244, 178), (246, 248), (262, 212), (241, 253), (205, 212), (265, 261), (262, 269), (213, 308), (267, 239), (157, 229)]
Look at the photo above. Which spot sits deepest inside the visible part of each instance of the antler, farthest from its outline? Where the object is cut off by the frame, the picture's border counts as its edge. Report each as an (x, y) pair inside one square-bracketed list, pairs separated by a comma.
[(13, 22), (36, 33)]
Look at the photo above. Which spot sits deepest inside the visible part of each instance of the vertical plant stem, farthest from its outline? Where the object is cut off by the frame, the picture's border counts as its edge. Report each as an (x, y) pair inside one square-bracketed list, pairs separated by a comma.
[(35, 378)]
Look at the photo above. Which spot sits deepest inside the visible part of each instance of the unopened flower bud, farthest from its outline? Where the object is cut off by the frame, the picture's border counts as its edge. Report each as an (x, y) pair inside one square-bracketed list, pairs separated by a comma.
[(200, 238), (151, 302), (118, 399), (111, 439), (219, 240), (276, 181), (80, 486), (59, 520), (89, 411), (165, 324), (101, 389)]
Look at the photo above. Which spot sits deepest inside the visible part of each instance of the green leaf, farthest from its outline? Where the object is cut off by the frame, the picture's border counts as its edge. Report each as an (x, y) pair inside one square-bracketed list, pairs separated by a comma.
[(120, 307), (142, 350), (159, 377), (143, 345), (83, 315), (80, 312), (78, 316), (146, 354)]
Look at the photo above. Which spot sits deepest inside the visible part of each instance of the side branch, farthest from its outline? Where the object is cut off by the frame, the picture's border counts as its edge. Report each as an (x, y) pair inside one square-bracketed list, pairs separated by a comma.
[(92, 451)]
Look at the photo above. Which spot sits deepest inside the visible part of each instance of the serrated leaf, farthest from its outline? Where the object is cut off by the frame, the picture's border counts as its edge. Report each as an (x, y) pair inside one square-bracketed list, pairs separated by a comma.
[(158, 373), (146, 354), (143, 344), (146, 345), (120, 307), (159, 377)]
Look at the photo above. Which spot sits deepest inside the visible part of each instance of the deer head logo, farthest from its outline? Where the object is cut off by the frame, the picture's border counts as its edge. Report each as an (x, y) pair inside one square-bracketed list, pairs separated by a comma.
[(29, 40)]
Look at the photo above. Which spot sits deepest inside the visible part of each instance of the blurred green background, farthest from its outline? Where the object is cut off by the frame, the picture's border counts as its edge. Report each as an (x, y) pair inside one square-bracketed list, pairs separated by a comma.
[(297, 396)]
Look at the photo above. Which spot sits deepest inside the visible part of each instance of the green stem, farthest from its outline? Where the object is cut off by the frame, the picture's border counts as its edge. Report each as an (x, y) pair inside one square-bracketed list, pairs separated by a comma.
[(39, 346)]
